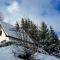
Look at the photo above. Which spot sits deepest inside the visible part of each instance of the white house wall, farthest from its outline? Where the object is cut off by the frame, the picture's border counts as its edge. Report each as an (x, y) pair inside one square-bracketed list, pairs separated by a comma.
[(3, 36)]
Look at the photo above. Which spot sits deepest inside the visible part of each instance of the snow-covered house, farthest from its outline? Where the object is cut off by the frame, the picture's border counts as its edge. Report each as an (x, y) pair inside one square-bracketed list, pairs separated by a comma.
[(8, 33)]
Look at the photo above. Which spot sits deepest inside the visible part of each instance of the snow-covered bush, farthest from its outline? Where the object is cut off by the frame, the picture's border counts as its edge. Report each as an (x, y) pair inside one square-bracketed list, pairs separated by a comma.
[(40, 50), (18, 50), (21, 52), (4, 43)]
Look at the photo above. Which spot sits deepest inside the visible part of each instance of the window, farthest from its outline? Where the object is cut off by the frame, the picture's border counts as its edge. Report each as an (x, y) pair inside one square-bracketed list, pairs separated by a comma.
[(0, 32)]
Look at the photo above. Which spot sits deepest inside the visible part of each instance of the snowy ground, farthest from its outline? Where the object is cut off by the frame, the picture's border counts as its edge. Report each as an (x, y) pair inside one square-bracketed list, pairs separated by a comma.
[(6, 54), (39, 56)]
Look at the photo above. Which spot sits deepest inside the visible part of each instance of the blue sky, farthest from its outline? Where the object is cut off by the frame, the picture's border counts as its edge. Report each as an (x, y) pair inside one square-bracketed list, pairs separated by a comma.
[(36, 10)]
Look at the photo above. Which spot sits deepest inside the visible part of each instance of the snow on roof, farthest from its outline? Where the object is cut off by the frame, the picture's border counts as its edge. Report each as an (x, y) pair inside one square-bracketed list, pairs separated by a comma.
[(10, 30)]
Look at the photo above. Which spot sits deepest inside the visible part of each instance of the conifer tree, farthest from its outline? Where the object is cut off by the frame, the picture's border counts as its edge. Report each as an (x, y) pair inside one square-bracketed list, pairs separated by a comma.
[(53, 38), (52, 41), (22, 23), (31, 29), (17, 26), (44, 30)]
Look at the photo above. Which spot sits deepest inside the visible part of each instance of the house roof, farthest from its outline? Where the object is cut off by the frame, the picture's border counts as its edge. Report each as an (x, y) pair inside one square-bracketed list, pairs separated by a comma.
[(10, 30)]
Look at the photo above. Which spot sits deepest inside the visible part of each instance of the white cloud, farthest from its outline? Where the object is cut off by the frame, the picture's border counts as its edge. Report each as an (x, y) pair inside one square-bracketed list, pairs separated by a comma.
[(13, 8), (36, 10)]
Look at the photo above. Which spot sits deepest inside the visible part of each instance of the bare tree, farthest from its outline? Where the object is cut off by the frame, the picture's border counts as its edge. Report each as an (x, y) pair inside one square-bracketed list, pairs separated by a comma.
[(1, 16)]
